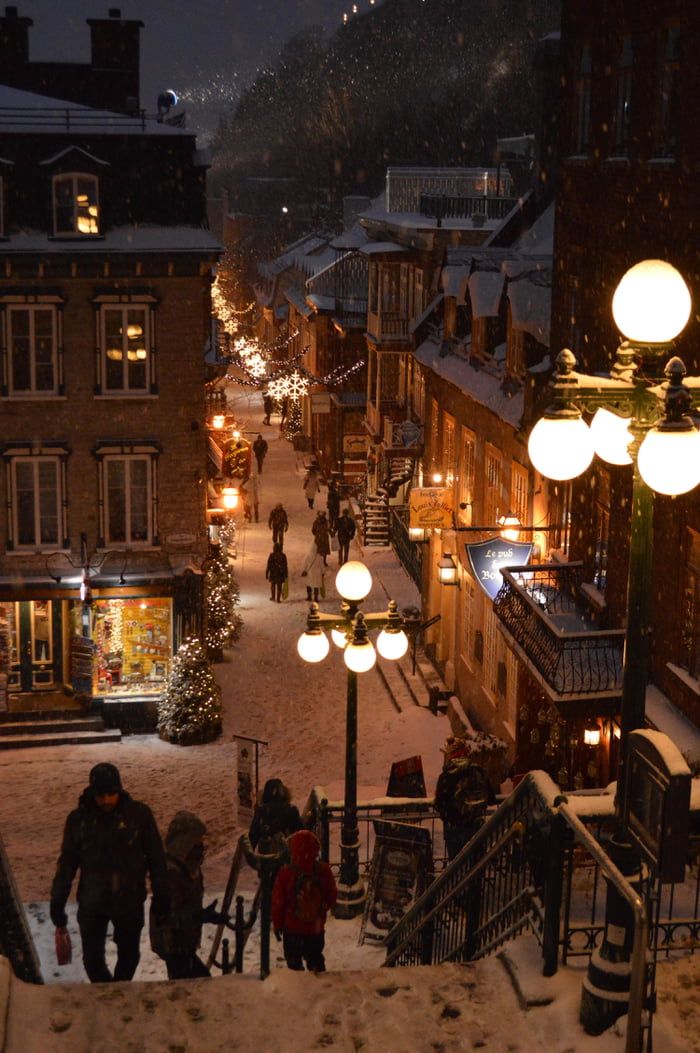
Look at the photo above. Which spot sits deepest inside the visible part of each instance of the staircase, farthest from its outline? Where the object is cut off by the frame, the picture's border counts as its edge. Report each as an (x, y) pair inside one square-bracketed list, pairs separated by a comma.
[(32, 728), (375, 529)]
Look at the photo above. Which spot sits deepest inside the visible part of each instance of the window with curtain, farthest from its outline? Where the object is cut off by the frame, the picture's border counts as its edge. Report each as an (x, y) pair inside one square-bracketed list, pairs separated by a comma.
[(32, 349), (35, 501), (126, 348), (76, 207), (128, 500), (519, 492)]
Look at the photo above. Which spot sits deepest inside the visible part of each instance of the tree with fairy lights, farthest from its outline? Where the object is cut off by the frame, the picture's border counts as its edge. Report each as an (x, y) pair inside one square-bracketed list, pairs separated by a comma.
[(190, 712), (222, 595)]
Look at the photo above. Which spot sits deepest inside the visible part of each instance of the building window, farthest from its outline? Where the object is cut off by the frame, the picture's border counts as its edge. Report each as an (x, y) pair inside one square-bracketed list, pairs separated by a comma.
[(36, 502), (468, 614), (467, 476), (76, 208), (418, 392), (490, 650), (418, 293), (128, 500), (560, 516), (601, 523), (492, 497), (515, 348), (448, 449), (511, 692), (690, 629), (622, 98), (668, 92), (126, 349), (434, 435), (32, 340), (582, 103), (519, 492)]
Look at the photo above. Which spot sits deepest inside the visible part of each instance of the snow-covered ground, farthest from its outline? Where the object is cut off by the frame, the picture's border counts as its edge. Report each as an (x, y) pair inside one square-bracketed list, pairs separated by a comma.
[(271, 694)]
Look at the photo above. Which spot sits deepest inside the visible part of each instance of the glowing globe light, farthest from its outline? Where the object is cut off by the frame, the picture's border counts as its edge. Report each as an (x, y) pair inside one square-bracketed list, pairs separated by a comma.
[(669, 460), (353, 581), (313, 646), (339, 638), (560, 447), (392, 644), (359, 657), (611, 436), (651, 304)]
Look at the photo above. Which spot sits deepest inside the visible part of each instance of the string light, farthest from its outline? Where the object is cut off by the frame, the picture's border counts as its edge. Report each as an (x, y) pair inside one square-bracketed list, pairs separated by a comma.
[(190, 709)]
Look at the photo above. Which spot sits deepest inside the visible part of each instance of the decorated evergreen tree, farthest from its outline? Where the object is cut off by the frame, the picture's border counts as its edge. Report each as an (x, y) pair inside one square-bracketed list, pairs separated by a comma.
[(222, 595), (189, 711), (294, 422)]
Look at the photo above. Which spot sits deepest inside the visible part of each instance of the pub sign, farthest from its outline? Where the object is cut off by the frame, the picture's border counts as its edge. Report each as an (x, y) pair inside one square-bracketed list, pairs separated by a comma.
[(431, 507), (487, 558)]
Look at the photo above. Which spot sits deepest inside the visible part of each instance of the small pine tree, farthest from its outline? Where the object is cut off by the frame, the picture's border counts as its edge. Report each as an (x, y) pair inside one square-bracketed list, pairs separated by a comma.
[(294, 420), (190, 711), (222, 594)]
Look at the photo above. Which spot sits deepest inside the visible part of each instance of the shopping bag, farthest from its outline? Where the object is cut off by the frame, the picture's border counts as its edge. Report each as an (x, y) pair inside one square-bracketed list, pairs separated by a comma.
[(285, 588), (64, 951)]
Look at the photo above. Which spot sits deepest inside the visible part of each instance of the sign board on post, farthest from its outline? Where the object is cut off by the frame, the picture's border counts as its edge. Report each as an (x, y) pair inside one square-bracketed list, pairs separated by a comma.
[(431, 507), (398, 875), (487, 557), (406, 778), (244, 782), (655, 811)]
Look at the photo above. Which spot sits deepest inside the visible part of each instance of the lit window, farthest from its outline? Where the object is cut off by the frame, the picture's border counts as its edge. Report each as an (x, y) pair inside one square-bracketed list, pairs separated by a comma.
[(76, 207), (126, 359), (493, 504), (449, 449), (467, 476), (32, 349), (35, 502)]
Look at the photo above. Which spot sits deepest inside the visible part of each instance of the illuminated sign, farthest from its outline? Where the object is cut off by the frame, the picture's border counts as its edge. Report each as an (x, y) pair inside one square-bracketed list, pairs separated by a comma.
[(487, 557)]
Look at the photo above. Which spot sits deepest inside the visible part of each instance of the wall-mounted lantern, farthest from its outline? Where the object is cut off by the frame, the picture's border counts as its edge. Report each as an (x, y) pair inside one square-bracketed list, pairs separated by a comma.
[(447, 570), (230, 497)]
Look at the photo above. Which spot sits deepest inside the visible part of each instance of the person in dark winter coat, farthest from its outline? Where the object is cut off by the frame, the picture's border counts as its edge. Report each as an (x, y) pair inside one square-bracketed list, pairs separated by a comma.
[(268, 406), (333, 506), (462, 795), (176, 938), (321, 533), (260, 451), (114, 841), (276, 572), (346, 532), (278, 524), (303, 893), (274, 816)]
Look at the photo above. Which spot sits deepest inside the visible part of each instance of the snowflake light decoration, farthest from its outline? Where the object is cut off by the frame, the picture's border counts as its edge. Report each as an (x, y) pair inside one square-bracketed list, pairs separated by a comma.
[(293, 386), (256, 365)]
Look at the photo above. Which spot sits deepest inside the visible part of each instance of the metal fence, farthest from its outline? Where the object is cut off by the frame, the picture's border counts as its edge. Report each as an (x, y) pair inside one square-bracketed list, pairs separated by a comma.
[(410, 554)]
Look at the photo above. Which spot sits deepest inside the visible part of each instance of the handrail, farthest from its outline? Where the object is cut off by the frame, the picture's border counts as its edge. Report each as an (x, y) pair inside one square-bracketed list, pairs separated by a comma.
[(563, 634)]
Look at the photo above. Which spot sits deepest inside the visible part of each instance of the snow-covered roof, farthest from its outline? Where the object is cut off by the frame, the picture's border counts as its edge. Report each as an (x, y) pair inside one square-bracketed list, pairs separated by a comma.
[(530, 307), (479, 385), (376, 248), (29, 113), (664, 716), (485, 293), (352, 238), (540, 236), (425, 313), (121, 239), (454, 281), (296, 299)]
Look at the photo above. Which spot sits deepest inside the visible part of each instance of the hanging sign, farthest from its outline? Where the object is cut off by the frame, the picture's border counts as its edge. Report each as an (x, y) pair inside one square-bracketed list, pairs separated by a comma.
[(487, 557), (236, 460), (431, 507)]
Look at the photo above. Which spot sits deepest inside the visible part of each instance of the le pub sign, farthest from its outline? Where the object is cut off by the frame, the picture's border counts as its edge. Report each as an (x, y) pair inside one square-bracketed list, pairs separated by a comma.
[(487, 558)]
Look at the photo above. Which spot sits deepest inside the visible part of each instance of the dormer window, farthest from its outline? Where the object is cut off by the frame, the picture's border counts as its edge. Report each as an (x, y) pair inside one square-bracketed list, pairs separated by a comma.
[(76, 208)]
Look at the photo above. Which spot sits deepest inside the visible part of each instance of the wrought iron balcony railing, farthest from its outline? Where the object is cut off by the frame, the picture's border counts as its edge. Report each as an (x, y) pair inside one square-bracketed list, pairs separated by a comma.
[(538, 607)]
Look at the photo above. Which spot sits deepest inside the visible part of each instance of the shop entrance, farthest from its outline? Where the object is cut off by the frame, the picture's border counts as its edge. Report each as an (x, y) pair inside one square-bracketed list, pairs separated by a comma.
[(34, 658)]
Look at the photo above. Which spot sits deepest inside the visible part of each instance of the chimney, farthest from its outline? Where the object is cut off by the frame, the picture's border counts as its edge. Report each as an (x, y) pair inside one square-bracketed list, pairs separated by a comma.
[(115, 50), (14, 41)]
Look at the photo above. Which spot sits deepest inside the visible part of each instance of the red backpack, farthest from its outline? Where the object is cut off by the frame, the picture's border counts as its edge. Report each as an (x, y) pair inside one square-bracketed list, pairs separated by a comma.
[(308, 894)]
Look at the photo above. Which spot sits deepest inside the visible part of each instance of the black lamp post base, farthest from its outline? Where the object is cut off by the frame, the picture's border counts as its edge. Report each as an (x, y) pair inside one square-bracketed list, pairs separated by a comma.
[(602, 1005), (350, 902)]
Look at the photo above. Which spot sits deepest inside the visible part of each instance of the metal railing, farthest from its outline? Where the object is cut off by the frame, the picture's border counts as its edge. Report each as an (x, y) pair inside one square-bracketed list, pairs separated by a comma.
[(410, 554), (445, 206), (78, 118), (537, 606), (387, 325)]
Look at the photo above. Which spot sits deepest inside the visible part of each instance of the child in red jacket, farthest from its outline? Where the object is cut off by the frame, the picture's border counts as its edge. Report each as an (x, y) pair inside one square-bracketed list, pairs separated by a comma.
[(304, 892)]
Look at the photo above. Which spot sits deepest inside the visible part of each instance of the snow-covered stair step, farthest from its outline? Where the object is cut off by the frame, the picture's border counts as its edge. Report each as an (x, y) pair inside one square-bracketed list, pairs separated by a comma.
[(59, 738), (50, 727)]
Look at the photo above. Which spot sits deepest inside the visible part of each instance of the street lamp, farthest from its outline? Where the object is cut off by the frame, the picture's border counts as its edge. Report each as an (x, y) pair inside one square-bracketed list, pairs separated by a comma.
[(654, 432), (350, 631)]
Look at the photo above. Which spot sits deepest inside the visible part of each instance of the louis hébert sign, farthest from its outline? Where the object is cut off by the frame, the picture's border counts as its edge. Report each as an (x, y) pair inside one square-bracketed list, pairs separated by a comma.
[(431, 507)]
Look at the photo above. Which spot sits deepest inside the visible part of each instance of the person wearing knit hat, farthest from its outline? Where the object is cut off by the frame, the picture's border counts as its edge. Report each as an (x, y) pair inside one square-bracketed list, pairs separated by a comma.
[(114, 841)]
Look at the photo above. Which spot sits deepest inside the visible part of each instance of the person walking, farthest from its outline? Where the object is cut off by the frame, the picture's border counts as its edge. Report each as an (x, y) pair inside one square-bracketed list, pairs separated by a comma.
[(312, 486), (462, 795), (321, 535), (346, 532), (176, 938), (333, 505), (254, 485), (276, 572), (278, 524), (313, 569), (268, 406), (114, 841), (303, 893), (274, 818), (260, 451), (284, 410)]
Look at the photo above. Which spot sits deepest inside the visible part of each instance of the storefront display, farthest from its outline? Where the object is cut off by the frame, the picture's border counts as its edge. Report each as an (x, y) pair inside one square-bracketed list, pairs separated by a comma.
[(133, 646)]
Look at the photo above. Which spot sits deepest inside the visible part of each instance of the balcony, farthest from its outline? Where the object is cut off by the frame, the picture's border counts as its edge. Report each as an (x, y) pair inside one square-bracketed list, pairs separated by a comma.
[(444, 206), (375, 414), (387, 327), (546, 625)]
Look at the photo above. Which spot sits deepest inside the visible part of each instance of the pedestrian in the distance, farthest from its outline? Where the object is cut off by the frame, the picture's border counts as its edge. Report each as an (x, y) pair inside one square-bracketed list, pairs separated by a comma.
[(303, 893), (278, 524), (275, 818), (253, 486), (321, 535), (284, 410), (333, 505), (268, 406), (114, 841), (276, 572), (312, 486), (313, 569), (346, 532), (176, 939), (245, 498), (260, 451)]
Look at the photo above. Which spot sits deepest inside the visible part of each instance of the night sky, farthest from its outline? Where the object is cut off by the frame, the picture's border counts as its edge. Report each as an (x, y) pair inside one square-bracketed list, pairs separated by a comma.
[(206, 50)]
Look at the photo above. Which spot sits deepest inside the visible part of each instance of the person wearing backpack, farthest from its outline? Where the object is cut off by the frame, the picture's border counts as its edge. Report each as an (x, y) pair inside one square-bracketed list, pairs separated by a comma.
[(303, 893), (462, 795)]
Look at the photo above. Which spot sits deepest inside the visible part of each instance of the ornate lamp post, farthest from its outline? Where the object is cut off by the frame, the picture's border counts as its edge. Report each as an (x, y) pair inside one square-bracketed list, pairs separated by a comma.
[(350, 631), (640, 419)]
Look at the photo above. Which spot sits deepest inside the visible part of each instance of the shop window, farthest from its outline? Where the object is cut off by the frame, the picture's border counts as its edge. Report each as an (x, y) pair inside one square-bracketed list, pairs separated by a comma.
[(76, 209), (126, 365), (35, 492), (582, 104), (32, 350), (690, 628), (132, 645), (467, 476), (622, 98), (668, 92)]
